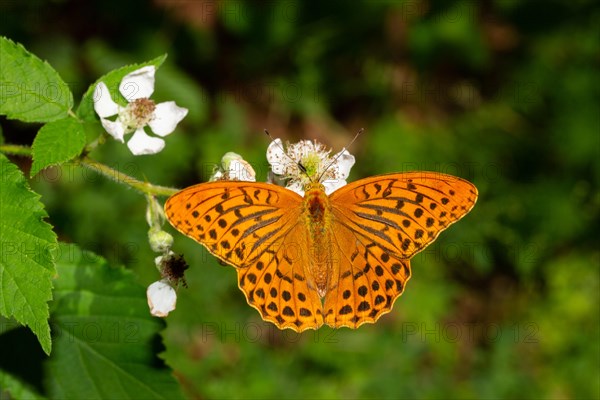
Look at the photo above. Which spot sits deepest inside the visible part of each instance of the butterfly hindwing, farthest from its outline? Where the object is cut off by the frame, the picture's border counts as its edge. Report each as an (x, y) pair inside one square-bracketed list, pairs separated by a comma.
[(279, 287), (367, 282)]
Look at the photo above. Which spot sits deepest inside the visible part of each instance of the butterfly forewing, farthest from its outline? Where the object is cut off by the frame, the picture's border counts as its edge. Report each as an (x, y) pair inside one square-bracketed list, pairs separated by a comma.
[(235, 221), (403, 213)]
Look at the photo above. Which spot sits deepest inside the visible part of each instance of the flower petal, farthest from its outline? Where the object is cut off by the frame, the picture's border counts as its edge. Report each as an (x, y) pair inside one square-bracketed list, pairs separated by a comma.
[(332, 185), (296, 186), (140, 143), (103, 103), (166, 117), (138, 84), (216, 176), (114, 128), (241, 170), (277, 157), (162, 298), (344, 164)]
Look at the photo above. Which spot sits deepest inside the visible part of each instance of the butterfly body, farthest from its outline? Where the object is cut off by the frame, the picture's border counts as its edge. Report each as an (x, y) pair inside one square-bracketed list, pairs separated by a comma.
[(317, 213), (340, 259)]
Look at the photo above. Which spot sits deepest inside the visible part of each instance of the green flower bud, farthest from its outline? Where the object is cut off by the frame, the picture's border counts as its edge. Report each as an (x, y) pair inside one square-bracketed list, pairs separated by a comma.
[(160, 241)]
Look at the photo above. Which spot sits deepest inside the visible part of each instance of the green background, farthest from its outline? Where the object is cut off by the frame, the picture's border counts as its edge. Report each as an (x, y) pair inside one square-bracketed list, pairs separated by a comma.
[(503, 93)]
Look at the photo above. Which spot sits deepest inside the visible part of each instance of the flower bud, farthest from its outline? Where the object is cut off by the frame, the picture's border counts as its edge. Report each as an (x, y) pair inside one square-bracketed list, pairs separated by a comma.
[(160, 241), (162, 298), (234, 168), (155, 215)]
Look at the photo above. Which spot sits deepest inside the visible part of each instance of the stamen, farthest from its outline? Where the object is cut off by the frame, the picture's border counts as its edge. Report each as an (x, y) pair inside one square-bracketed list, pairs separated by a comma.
[(138, 113)]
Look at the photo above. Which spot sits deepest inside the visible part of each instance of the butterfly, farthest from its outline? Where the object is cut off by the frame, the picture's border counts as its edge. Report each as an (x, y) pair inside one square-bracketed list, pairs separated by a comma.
[(340, 259)]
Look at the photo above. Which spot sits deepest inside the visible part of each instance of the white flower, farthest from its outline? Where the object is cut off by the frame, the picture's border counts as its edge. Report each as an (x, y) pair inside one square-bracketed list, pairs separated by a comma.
[(136, 88), (306, 162), (162, 298), (234, 168)]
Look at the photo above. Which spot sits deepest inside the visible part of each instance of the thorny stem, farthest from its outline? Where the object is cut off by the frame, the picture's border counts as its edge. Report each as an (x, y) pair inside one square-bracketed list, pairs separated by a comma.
[(111, 173)]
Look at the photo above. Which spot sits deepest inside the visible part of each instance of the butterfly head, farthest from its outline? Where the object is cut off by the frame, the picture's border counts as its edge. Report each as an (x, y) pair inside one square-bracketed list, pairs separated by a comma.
[(312, 183)]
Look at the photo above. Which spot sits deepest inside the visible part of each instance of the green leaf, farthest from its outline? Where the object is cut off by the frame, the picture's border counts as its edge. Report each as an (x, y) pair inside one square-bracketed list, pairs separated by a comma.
[(112, 80), (26, 243), (12, 388), (30, 89), (57, 142), (104, 336)]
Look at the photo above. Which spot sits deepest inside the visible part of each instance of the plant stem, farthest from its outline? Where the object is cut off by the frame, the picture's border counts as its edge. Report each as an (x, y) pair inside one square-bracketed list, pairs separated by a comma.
[(118, 176), (16, 150), (111, 173)]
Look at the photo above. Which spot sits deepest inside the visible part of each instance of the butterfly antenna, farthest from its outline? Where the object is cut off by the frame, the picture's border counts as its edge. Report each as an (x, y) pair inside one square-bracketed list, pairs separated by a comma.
[(360, 131), (269, 135), (300, 166)]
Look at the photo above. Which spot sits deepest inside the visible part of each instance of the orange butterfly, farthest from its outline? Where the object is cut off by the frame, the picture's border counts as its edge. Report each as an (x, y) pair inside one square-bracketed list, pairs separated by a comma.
[(340, 260)]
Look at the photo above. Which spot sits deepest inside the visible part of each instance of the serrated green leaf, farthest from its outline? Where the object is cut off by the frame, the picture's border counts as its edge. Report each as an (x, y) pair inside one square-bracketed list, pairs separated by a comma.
[(30, 89), (26, 264), (86, 112), (12, 387), (104, 336), (57, 142)]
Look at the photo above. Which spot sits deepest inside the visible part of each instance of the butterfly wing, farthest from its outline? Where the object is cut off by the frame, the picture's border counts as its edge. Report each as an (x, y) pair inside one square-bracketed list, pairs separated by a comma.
[(367, 282), (379, 223), (255, 227), (279, 285)]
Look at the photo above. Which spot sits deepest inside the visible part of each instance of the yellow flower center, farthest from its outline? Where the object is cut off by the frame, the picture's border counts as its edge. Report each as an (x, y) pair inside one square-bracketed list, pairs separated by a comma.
[(138, 113), (311, 163)]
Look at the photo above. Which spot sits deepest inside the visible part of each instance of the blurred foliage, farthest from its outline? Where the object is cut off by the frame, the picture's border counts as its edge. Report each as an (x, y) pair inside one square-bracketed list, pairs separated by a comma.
[(503, 93)]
